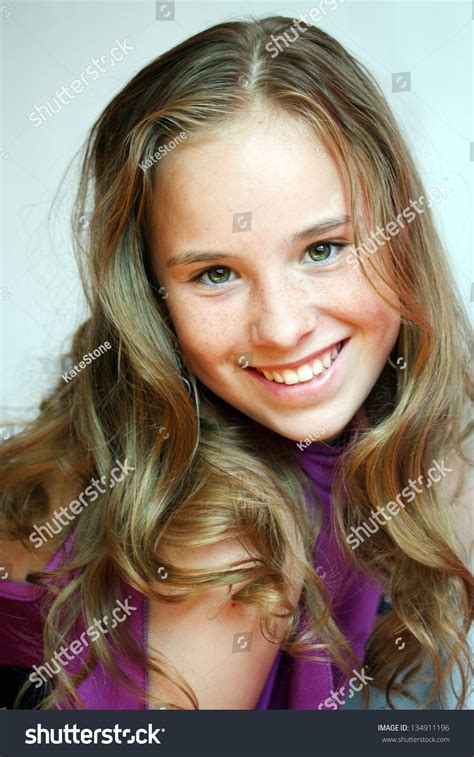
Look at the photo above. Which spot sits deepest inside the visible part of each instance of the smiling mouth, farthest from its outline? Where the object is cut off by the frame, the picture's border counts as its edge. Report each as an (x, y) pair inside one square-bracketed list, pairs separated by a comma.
[(306, 372)]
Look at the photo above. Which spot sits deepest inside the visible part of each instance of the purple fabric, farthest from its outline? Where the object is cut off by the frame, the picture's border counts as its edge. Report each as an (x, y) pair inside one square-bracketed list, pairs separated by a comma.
[(292, 683), (295, 684), (21, 633)]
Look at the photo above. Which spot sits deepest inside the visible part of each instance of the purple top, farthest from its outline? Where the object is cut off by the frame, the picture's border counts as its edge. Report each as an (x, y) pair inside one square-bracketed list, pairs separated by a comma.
[(292, 684)]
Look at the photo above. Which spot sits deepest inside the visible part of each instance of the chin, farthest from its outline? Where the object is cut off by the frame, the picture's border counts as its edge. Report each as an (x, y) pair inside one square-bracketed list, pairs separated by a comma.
[(326, 427)]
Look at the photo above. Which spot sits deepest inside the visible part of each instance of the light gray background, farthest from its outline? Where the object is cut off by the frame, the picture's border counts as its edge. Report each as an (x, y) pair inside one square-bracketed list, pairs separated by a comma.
[(46, 45)]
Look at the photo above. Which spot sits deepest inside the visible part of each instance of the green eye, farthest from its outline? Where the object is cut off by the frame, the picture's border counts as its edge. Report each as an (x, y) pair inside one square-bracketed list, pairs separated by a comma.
[(218, 275), (320, 252), (214, 276), (325, 252)]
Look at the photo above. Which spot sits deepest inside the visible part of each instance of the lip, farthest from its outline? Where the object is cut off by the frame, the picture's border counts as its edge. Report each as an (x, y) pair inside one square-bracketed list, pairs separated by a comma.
[(302, 361), (318, 385)]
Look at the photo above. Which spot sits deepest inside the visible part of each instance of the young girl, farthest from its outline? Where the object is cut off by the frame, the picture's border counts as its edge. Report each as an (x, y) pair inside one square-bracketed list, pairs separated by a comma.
[(259, 439)]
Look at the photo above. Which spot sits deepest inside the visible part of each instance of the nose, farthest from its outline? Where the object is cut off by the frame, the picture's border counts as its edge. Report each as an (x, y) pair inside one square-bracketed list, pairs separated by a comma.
[(282, 314)]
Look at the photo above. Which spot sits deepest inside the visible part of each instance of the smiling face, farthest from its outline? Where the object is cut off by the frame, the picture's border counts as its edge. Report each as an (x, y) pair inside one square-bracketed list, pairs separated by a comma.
[(278, 294)]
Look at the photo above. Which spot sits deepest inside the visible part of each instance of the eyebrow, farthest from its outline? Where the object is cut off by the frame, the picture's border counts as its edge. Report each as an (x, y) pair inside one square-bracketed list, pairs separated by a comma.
[(187, 257)]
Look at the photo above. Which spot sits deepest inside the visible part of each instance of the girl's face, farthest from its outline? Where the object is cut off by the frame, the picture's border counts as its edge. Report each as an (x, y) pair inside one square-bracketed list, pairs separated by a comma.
[(252, 285)]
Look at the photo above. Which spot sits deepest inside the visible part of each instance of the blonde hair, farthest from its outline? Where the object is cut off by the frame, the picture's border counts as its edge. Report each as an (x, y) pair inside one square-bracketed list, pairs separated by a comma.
[(188, 489)]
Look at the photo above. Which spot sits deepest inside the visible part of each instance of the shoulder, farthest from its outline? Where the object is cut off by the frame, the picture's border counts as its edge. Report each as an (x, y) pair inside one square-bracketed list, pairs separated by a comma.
[(200, 636)]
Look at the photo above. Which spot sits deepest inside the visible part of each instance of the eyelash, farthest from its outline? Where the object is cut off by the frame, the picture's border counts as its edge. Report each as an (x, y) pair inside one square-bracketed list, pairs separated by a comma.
[(338, 245)]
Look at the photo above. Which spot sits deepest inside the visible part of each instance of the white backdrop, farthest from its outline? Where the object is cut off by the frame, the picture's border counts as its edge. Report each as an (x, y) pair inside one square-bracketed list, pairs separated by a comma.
[(46, 45)]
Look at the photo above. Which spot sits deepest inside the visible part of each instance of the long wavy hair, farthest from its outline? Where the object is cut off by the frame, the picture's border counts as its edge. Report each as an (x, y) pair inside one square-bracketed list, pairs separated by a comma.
[(190, 483)]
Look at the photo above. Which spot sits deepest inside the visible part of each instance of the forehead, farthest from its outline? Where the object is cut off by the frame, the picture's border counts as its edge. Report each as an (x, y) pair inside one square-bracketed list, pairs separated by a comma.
[(271, 166)]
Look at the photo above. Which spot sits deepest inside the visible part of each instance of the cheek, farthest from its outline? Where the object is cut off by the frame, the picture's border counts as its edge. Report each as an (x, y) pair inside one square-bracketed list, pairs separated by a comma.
[(205, 332), (357, 303)]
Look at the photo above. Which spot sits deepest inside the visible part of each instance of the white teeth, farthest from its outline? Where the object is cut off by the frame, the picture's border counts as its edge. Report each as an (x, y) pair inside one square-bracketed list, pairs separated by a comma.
[(327, 360), (304, 372), (317, 367), (290, 377)]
